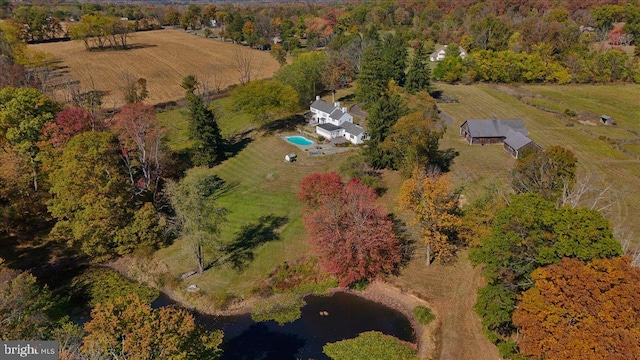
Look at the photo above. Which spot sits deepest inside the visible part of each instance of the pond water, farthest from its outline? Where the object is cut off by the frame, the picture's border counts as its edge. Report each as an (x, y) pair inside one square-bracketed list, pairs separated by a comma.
[(304, 338), (299, 140)]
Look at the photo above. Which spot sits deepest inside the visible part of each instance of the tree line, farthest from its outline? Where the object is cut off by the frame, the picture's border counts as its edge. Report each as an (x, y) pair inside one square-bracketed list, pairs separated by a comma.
[(539, 41), (102, 185)]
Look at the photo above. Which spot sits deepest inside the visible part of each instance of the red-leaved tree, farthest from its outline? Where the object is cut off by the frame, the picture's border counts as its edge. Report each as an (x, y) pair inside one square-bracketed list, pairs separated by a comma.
[(140, 136), (67, 124), (317, 188), (350, 233)]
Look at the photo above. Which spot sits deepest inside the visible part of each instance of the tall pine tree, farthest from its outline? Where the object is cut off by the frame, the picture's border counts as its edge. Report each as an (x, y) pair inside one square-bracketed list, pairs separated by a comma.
[(384, 113), (372, 78), (394, 55), (203, 127), (419, 74)]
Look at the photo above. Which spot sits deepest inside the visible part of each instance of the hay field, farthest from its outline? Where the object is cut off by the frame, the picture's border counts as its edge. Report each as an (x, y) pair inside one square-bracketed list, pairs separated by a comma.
[(163, 57)]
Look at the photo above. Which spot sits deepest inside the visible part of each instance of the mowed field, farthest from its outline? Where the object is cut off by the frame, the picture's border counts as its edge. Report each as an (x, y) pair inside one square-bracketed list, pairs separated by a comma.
[(594, 144), (163, 58)]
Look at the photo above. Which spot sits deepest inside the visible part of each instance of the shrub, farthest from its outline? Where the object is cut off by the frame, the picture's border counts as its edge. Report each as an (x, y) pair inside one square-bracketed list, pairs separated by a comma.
[(282, 308), (99, 285), (423, 315), (301, 277), (371, 345), (360, 285), (569, 113), (508, 349), (321, 138)]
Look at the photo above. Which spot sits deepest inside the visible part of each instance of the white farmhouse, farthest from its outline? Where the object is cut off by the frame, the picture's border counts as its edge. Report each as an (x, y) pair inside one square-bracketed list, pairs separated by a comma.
[(335, 122), (438, 55)]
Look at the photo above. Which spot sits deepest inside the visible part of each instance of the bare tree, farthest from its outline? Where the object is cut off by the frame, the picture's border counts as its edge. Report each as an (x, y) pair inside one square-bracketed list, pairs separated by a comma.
[(245, 64), (216, 79), (590, 191), (630, 245)]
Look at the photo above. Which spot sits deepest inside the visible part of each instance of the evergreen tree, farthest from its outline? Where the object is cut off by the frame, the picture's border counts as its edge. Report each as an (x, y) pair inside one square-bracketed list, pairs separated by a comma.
[(383, 115), (394, 55), (419, 74), (204, 130), (380, 63), (372, 77), (203, 127)]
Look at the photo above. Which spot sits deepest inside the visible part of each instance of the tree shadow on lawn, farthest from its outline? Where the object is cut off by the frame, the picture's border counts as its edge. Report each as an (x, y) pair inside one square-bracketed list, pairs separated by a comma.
[(237, 143), (51, 261), (407, 244), (347, 98), (285, 124), (250, 236)]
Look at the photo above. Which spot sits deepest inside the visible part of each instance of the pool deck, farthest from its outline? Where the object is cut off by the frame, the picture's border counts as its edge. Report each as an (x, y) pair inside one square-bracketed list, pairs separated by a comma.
[(316, 149)]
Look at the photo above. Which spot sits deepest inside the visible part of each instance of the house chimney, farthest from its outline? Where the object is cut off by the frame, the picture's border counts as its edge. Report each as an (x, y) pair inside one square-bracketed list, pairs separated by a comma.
[(336, 104), (344, 109), (317, 97)]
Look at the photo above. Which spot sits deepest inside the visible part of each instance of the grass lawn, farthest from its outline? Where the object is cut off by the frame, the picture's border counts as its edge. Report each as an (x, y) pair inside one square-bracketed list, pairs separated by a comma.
[(634, 148), (622, 102), (478, 165), (177, 124), (262, 184)]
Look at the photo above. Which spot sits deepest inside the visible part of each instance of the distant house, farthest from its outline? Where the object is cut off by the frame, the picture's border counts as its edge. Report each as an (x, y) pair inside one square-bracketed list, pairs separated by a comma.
[(439, 54), (335, 122), (510, 132)]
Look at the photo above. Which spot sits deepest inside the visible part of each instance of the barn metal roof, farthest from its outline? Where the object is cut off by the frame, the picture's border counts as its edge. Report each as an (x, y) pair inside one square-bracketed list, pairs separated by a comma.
[(495, 127), (516, 140)]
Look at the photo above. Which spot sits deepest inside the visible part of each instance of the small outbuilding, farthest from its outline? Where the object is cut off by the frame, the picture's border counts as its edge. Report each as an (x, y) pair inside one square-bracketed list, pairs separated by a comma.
[(607, 120), (515, 143), (290, 157)]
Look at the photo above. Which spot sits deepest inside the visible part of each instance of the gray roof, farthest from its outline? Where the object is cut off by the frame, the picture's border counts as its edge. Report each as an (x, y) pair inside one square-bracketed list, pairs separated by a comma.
[(516, 140), (352, 128), (336, 114), (329, 127), (495, 127), (323, 106)]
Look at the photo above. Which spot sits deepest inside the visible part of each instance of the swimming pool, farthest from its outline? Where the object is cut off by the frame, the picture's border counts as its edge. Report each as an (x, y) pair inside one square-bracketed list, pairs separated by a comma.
[(299, 140)]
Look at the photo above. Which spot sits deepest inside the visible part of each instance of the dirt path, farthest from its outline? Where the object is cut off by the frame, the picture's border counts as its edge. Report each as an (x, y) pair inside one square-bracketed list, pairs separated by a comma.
[(451, 291)]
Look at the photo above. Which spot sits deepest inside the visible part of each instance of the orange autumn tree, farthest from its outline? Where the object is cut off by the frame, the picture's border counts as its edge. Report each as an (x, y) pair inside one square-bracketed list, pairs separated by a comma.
[(433, 204), (128, 328), (583, 311)]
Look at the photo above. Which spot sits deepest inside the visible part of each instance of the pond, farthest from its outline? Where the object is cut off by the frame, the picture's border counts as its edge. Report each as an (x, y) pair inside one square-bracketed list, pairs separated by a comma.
[(348, 315), (299, 140)]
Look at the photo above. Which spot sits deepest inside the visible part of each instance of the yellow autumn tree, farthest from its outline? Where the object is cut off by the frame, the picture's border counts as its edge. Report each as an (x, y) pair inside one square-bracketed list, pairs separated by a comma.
[(432, 203)]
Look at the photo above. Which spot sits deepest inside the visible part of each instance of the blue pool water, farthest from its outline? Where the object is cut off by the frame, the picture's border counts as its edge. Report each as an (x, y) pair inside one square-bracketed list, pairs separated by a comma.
[(299, 140)]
